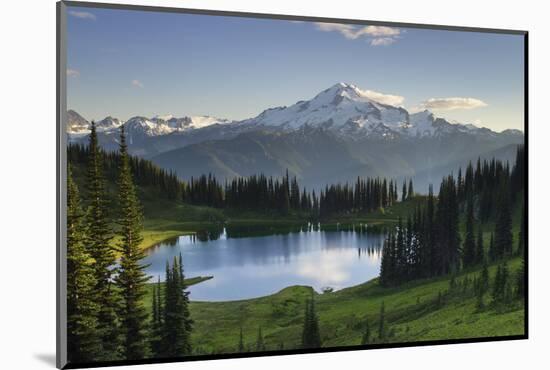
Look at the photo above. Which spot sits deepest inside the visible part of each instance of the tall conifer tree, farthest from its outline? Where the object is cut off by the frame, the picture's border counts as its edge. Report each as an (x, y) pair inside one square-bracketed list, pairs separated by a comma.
[(102, 252), (469, 249), (503, 226), (367, 334), (311, 337), (240, 347), (131, 279), (83, 340), (260, 345), (480, 249), (176, 334), (156, 323)]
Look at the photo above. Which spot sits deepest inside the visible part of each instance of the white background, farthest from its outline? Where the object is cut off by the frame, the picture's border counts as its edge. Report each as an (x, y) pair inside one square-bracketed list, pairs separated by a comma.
[(27, 182)]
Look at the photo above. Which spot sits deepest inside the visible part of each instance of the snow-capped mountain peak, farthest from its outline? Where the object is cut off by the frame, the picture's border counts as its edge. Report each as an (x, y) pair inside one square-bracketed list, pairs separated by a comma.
[(343, 108), (139, 125), (108, 123)]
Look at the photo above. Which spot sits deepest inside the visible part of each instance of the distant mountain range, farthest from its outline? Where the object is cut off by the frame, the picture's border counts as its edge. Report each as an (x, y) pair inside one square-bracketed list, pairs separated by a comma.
[(338, 135)]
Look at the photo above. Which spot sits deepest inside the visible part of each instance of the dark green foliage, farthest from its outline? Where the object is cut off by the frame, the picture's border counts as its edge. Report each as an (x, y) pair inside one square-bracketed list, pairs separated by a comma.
[(404, 191), (260, 345), (367, 335), (492, 252), (382, 323), (102, 253), (311, 337), (520, 281), (131, 278), (480, 249), (481, 285), (145, 173), (484, 278), (83, 340), (429, 245), (501, 287), (365, 195), (156, 323), (521, 236), (503, 226), (517, 177), (259, 192), (447, 233), (240, 347), (469, 249), (410, 192), (176, 334)]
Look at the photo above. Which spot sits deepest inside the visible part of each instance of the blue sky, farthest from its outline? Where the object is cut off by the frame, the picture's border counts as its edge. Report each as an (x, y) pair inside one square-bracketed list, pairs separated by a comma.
[(125, 63)]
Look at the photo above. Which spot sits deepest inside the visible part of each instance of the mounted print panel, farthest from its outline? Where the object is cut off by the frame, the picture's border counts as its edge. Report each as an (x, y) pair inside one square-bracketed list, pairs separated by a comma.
[(235, 185)]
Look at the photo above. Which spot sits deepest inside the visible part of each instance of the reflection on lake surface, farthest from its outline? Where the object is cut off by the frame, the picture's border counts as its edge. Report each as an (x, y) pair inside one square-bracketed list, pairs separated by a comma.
[(248, 263)]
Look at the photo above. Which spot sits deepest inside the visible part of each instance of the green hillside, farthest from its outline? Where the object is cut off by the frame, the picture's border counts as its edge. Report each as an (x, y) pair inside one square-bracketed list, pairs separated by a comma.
[(413, 313)]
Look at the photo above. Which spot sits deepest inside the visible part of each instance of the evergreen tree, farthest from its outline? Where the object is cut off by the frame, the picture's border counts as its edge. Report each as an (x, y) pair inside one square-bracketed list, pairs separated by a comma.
[(480, 251), (131, 279), (99, 248), (382, 324), (404, 191), (367, 334), (484, 278), (521, 235), (240, 347), (311, 337), (260, 345), (501, 284), (156, 324), (447, 236), (177, 322), (503, 226), (520, 280), (492, 252), (469, 250), (410, 192), (83, 340)]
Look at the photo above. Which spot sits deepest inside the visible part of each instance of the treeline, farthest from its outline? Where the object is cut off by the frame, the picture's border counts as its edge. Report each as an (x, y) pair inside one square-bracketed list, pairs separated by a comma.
[(106, 320), (144, 172), (258, 192), (365, 195), (485, 183), (429, 242)]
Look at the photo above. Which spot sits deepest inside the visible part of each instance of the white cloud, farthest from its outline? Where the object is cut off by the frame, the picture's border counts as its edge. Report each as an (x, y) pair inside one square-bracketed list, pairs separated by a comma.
[(382, 98), (452, 103), (82, 15), (72, 73), (378, 35), (137, 83)]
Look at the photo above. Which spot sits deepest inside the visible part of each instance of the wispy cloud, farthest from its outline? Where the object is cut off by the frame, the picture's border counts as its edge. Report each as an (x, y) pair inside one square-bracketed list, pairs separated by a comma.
[(382, 41), (137, 83), (388, 99), (452, 103), (82, 15), (377, 35), (72, 73)]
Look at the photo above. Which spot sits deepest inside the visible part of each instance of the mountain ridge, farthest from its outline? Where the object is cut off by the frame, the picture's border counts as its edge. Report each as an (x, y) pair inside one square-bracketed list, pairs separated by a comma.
[(340, 133)]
